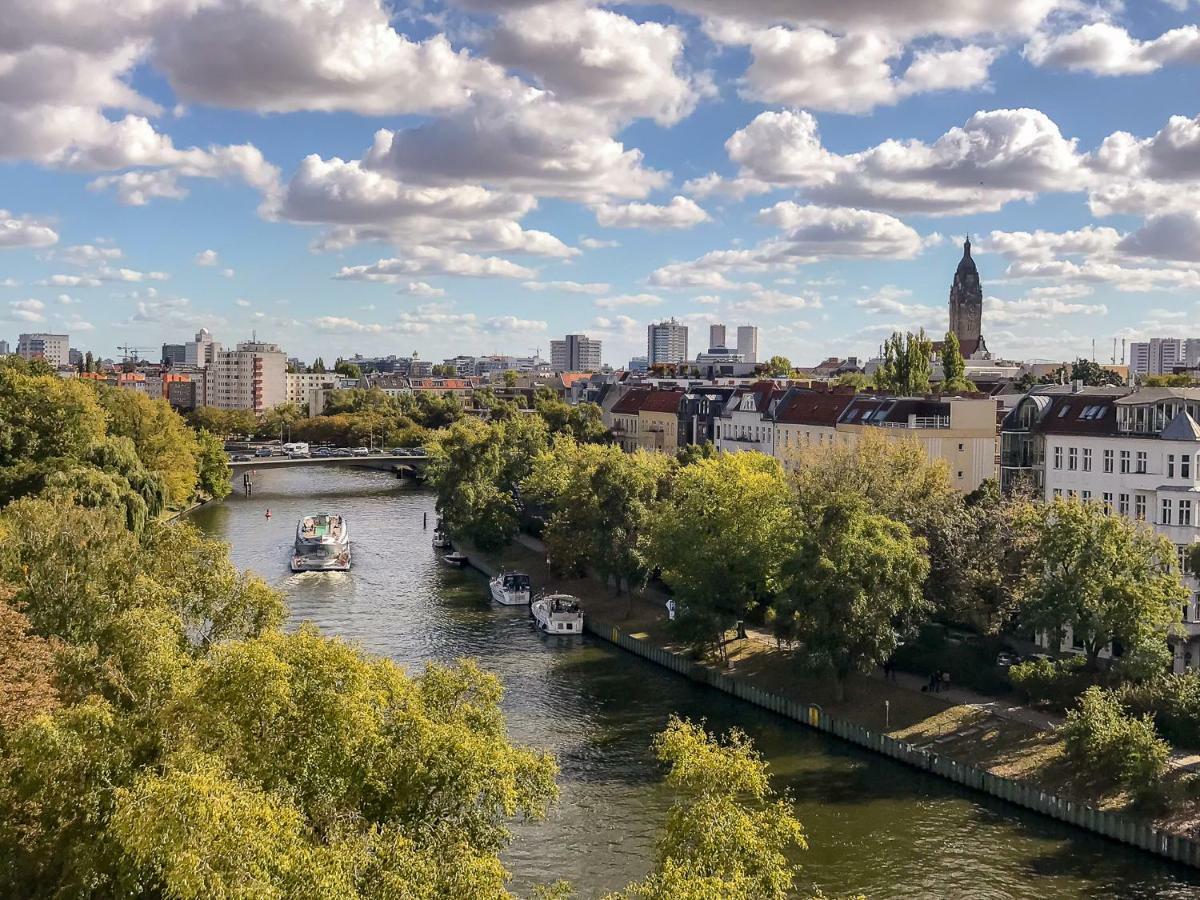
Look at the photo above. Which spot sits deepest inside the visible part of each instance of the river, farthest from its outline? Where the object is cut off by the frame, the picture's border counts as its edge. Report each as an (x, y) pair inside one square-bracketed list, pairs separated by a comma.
[(874, 827)]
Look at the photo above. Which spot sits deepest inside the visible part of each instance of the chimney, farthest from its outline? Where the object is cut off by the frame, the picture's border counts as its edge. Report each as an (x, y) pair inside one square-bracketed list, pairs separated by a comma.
[(1076, 387)]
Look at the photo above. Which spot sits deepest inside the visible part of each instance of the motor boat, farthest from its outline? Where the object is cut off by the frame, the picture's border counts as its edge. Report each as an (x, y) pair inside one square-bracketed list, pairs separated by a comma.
[(322, 544), (455, 558), (441, 538), (510, 589), (557, 614)]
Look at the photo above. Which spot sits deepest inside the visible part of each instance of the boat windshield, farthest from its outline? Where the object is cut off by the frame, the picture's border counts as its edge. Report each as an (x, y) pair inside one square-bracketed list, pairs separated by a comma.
[(514, 581)]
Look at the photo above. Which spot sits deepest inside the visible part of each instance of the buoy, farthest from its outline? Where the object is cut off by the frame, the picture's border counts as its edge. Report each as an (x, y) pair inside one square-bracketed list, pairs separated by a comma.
[(268, 514)]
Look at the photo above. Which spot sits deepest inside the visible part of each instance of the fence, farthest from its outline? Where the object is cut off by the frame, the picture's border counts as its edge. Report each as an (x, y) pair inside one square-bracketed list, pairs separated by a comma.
[(1113, 825)]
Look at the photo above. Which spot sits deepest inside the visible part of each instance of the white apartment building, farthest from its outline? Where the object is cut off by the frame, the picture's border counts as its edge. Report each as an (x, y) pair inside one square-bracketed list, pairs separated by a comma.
[(716, 337), (745, 422), (747, 343), (300, 385), (53, 348), (202, 351), (254, 376), (666, 343), (1159, 356), (1138, 454)]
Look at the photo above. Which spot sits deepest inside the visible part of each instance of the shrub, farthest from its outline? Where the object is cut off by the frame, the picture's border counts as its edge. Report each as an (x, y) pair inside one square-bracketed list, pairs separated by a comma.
[(1112, 746), (1058, 682), (1173, 701), (971, 664)]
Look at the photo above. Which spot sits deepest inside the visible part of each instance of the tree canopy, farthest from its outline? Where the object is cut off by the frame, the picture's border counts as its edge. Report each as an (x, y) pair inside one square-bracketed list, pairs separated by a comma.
[(907, 364)]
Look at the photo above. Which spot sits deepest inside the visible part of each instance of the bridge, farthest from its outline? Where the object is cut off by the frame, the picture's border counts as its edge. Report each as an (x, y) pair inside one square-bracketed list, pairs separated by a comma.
[(390, 462)]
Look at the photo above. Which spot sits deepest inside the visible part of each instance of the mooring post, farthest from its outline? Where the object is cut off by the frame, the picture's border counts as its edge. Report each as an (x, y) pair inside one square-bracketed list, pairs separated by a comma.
[(424, 521)]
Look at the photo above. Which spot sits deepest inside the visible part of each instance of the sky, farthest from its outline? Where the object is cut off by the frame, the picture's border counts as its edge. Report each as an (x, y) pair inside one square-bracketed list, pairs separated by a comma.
[(482, 176)]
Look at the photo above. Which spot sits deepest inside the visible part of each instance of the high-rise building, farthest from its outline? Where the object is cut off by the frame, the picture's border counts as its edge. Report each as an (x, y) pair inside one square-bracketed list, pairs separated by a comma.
[(202, 351), (254, 376), (174, 354), (747, 343), (666, 343), (716, 336), (53, 348), (966, 306), (1159, 356), (4, 348), (575, 353)]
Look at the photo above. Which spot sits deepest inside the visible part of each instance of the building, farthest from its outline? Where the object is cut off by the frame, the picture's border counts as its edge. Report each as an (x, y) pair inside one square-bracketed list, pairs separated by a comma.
[(745, 422), (174, 354), (4, 348), (966, 306), (804, 418), (638, 364), (300, 385), (716, 336), (1161, 356), (1136, 452), (202, 351), (254, 376), (575, 353), (747, 343), (666, 343), (658, 421), (53, 348), (184, 395), (623, 418)]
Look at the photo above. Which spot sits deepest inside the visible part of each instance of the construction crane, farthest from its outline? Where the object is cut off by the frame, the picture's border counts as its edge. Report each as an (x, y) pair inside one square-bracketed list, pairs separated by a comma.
[(131, 353)]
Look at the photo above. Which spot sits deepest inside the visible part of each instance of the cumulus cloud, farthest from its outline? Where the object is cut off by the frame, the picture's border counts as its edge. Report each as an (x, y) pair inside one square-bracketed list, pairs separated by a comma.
[(1036, 308), (813, 232), (1103, 48), (87, 254), (680, 213), (27, 310), (1174, 236), (629, 300), (427, 260), (592, 243), (24, 231), (1147, 176), (421, 289), (568, 287), (206, 258)]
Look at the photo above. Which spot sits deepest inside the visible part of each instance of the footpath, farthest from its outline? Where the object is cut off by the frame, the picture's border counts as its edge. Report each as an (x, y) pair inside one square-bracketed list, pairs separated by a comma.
[(987, 743)]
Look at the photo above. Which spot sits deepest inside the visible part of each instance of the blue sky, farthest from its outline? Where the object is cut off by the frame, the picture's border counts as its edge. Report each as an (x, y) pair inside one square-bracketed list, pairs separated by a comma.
[(484, 176)]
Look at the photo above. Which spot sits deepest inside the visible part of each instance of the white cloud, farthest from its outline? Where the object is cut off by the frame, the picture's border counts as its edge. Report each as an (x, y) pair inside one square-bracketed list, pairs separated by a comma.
[(227, 273), (568, 287), (629, 300), (87, 254), (242, 302), (765, 301), (27, 310), (511, 324), (139, 188), (713, 185), (206, 258), (1036, 308), (814, 232), (24, 231), (592, 243), (891, 300), (1172, 236), (1103, 48), (681, 212), (421, 289), (106, 273), (426, 260)]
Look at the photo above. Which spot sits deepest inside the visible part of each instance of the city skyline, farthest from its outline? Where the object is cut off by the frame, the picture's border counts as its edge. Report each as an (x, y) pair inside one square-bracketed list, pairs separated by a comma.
[(813, 175)]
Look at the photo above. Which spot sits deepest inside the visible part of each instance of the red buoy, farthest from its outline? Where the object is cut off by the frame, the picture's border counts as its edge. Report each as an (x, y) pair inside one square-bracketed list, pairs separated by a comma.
[(268, 514)]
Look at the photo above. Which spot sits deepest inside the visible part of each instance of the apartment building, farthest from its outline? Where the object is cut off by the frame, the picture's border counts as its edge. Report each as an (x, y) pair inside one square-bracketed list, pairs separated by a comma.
[(658, 421), (804, 418), (300, 385), (666, 343), (1160, 356), (254, 376), (1137, 453), (623, 419), (575, 353), (53, 348), (745, 422), (203, 350)]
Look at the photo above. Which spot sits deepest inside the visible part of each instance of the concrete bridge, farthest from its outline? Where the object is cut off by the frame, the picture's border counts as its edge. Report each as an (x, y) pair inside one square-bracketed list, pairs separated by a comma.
[(388, 462)]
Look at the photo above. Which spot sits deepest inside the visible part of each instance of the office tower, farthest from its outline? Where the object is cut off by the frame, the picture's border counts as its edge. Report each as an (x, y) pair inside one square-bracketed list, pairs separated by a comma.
[(666, 343), (747, 343)]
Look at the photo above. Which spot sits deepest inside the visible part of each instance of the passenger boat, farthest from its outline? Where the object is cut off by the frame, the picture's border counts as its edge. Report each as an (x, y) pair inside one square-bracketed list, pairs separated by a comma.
[(557, 614), (510, 589), (455, 558), (322, 544)]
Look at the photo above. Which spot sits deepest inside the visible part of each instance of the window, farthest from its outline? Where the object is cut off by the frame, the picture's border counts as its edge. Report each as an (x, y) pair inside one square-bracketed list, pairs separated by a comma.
[(1073, 458), (1108, 506), (1058, 493), (1087, 459), (960, 474), (962, 447), (1058, 457), (1108, 462), (1139, 507), (1185, 512), (1123, 504), (1124, 462), (1181, 552), (1185, 466), (1165, 515), (1170, 465), (1086, 495), (1070, 493), (1141, 462)]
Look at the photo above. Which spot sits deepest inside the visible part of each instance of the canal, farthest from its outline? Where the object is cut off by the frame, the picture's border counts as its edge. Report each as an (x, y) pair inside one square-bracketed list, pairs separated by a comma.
[(874, 827)]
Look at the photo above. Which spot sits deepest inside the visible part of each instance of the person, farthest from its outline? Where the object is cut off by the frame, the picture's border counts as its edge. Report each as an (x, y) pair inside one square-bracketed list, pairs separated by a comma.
[(935, 681), (945, 681), (671, 609)]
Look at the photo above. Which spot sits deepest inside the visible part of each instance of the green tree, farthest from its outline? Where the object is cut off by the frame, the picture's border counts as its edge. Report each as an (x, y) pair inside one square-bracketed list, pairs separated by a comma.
[(164, 443), (779, 367), (347, 369), (907, 364), (954, 377), (1112, 581), (853, 588), (89, 362), (318, 365), (510, 378), (1089, 372), (719, 540), (729, 836), (857, 380), (690, 453), (1109, 745), (214, 475)]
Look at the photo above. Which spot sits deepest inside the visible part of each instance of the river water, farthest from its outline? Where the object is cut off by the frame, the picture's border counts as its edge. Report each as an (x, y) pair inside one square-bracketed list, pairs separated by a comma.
[(874, 827)]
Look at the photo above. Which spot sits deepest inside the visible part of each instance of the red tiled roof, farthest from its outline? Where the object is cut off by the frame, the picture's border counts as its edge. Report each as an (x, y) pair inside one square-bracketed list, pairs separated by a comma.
[(811, 408), (631, 403), (662, 402), (569, 378)]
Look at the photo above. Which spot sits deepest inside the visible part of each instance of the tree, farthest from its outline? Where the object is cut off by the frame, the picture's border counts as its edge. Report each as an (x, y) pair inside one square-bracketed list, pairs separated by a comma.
[(852, 588), (779, 367), (1109, 745), (164, 443), (954, 378), (318, 365), (89, 362), (690, 453), (214, 475), (729, 835), (719, 540), (1089, 372), (907, 364), (860, 381), (1180, 380), (26, 669), (347, 369), (510, 378), (1112, 581), (44, 416)]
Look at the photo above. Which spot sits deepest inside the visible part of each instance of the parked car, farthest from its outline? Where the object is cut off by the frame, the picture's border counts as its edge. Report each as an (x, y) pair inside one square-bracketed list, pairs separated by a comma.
[(399, 451), (361, 451), (342, 451), (242, 457), (1007, 660), (263, 452), (299, 454), (323, 451)]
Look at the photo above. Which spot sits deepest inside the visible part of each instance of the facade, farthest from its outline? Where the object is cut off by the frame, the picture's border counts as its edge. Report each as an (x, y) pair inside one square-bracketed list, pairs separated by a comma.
[(202, 351), (658, 421), (300, 385), (1161, 356), (747, 343), (254, 376), (4, 348), (1136, 453), (623, 418), (184, 395), (716, 336), (666, 343), (966, 305), (174, 354), (575, 353), (639, 364), (745, 422), (53, 348), (804, 419)]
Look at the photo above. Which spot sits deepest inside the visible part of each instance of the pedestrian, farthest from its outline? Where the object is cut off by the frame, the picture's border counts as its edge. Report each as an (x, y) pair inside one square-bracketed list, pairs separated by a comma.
[(933, 682), (671, 609)]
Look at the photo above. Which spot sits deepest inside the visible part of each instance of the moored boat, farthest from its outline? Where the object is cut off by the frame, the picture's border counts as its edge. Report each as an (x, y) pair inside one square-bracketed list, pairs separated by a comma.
[(557, 614), (322, 544), (441, 539), (455, 558), (510, 589)]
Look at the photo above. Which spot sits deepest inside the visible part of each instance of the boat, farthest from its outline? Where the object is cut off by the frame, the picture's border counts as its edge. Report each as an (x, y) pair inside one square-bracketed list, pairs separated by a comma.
[(322, 544), (510, 589), (441, 538), (455, 558), (557, 614)]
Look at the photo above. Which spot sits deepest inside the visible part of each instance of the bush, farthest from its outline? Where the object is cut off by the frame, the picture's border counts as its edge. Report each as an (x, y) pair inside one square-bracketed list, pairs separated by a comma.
[(1058, 682), (1173, 701), (971, 664), (1112, 746)]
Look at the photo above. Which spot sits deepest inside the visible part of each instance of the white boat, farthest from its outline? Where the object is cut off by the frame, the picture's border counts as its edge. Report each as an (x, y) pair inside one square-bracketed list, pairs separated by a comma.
[(557, 614), (510, 589), (455, 558), (322, 544), (441, 541)]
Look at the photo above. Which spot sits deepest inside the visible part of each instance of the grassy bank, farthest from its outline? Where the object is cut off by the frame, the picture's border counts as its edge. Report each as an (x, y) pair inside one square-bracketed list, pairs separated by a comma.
[(970, 733)]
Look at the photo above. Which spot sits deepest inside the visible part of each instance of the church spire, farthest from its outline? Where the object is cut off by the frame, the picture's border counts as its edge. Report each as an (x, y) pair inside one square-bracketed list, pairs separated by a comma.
[(967, 248)]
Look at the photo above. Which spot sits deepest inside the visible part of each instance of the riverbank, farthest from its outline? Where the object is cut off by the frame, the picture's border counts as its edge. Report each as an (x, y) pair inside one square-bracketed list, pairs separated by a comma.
[(1014, 757)]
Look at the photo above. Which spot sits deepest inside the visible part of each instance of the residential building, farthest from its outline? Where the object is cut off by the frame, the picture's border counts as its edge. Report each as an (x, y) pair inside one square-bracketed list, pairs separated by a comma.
[(1138, 453), (745, 424), (300, 385), (666, 343), (5, 350), (463, 388), (699, 412), (254, 376), (75, 358), (575, 353), (174, 354), (747, 343), (53, 348), (658, 421), (1161, 356), (202, 351), (184, 395), (805, 418), (623, 418), (464, 366)]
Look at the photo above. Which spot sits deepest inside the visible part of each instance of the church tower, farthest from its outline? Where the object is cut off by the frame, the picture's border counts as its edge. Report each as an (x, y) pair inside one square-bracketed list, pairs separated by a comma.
[(966, 305)]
